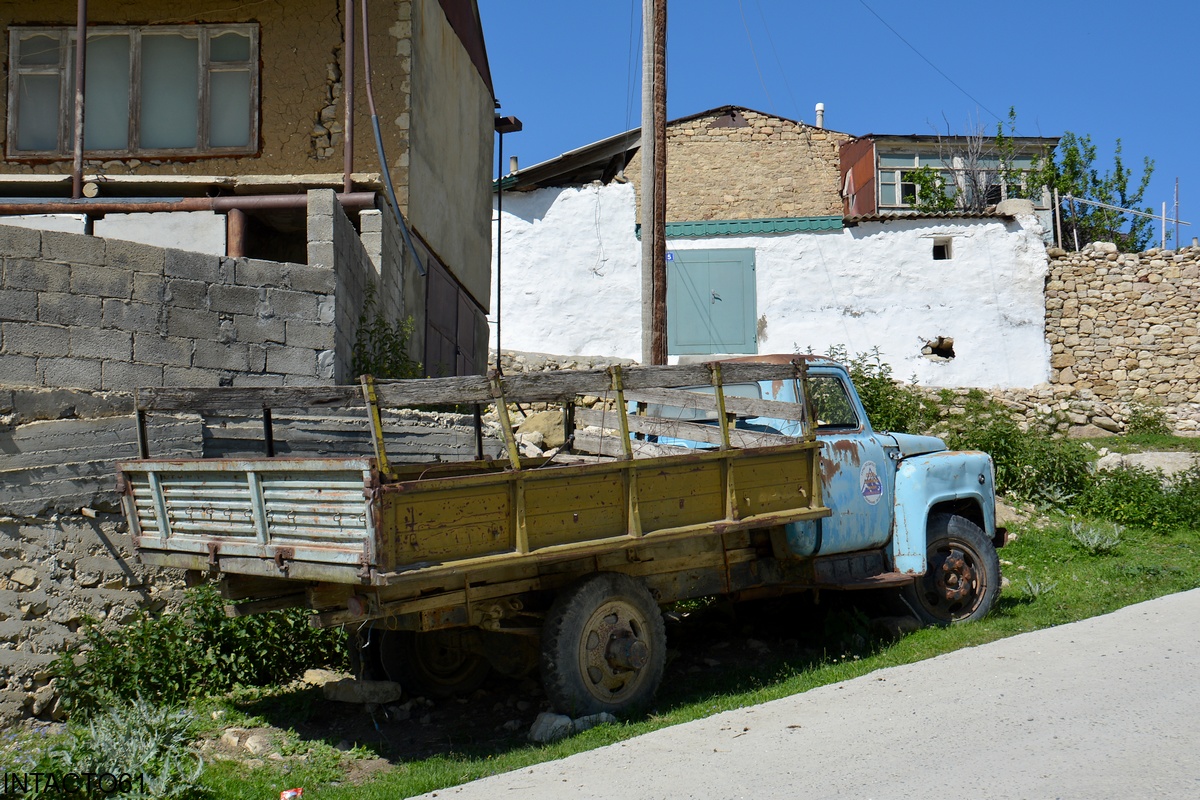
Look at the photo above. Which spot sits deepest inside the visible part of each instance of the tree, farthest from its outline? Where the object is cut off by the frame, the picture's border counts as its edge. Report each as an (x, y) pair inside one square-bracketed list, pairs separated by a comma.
[(1071, 170), (983, 169)]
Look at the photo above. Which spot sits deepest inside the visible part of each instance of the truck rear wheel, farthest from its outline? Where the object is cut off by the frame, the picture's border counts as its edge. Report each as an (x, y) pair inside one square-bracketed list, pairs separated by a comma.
[(962, 573), (433, 663), (603, 646)]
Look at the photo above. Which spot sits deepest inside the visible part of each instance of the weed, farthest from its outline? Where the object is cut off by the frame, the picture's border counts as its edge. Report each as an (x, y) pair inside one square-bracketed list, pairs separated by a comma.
[(381, 346), (1147, 419), (1097, 539), (193, 652), (890, 405), (1033, 589)]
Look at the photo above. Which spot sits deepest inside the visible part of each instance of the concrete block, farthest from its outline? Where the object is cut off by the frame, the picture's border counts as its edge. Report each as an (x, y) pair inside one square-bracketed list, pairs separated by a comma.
[(196, 266), (58, 308), (193, 377), (258, 329), (99, 343), (72, 248), (18, 370), (193, 323), (228, 270), (186, 294), (370, 220), (225, 357), (320, 227), (125, 377), (319, 280), (149, 288), (149, 348), (292, 361), (320, 254), (293, 305), (327, 309), (322, 202), (34, 339), (328, 366), (38, 276), (234, 299), (129, 316), (82, 373), (18, 242), (258, 379), (304, 380), (315, 335), (18, 305), (135, 257), (254, 272), (101, 281)]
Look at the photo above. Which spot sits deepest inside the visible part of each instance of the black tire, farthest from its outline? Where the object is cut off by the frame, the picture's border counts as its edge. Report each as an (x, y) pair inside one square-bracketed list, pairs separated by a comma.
[(431, 664), (604, 646), (962, 575)]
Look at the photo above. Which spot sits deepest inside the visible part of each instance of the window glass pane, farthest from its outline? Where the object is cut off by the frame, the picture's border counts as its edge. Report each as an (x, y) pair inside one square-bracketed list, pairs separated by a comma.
[(229, 111), (908, 193), (229, 47), (831, 403), (170, 84), (37, 112), (897, 160), (931, 161), (40, 50), (887, 194), (106, 109)]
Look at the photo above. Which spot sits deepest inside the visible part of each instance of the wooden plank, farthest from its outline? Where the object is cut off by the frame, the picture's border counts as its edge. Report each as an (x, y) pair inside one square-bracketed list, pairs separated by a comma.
[(742, 406), (587, 442), (531, 387), (688, 431)]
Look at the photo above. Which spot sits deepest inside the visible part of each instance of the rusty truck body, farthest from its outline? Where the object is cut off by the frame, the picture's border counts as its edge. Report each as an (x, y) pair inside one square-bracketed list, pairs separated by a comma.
[(681, 482)]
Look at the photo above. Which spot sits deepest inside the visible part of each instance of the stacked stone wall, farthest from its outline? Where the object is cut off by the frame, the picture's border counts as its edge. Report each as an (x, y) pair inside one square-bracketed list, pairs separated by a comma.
[(750, 166), (1125, 327)]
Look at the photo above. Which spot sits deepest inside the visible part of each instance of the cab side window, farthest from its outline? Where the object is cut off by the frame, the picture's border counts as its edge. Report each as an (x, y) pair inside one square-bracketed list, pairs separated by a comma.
[(831, 401)]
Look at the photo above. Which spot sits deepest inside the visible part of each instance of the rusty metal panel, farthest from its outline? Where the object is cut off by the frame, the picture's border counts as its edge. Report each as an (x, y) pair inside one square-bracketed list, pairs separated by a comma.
[(588, 506), (858, 177)]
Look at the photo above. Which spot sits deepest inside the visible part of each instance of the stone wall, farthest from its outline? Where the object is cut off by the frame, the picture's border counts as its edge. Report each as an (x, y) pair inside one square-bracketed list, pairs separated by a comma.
[(749, 166), (1126, 327)]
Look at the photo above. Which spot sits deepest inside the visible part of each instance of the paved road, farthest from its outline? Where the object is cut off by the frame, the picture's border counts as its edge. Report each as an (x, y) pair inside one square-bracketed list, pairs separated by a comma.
[(1104, 708)]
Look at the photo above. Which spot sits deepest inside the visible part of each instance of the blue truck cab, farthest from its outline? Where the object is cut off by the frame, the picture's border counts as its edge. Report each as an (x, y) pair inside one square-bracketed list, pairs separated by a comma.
[(930, 511)]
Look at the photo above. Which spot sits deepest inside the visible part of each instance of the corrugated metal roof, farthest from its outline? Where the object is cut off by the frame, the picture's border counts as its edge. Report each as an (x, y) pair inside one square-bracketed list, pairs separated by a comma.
[(740, 227), (895, 216)]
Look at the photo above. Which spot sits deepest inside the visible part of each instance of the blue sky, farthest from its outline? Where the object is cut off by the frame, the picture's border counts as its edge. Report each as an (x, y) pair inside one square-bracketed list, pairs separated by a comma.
[(570, 70)]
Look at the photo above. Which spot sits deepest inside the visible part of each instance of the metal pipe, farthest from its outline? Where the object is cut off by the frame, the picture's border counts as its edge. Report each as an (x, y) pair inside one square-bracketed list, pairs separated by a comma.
[(348, 99), (235, 233), (80, 57), (220, 204)]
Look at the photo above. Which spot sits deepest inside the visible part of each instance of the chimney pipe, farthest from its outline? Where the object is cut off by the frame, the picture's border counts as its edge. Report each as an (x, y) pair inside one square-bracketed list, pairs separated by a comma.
[(820, 115), (512, 165)]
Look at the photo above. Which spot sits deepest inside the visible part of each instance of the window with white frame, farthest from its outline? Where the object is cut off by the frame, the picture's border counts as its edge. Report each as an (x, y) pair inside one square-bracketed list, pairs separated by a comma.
[(896, 188), (149, 90)]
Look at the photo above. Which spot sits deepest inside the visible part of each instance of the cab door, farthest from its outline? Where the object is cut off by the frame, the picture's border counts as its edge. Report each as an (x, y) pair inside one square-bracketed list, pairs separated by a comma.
[(856, 474)]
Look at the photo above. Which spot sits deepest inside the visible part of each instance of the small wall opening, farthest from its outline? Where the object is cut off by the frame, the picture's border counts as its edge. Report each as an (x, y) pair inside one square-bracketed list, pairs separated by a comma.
[(941, 249), (939, 348)]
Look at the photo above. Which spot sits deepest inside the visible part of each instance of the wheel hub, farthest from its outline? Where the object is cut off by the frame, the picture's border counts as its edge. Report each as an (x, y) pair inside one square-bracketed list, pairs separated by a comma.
[(955, 579), (626, 652), (613, 651)]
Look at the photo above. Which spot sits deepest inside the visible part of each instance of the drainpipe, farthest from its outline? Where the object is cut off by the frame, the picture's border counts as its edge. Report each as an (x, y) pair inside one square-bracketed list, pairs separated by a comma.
[(348, 99), (235, 233), (80, 55)]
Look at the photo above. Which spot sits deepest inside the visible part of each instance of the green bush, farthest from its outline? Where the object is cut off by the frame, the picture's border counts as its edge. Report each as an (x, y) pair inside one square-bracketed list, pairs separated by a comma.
[(1136, 496), (890, 405), (194, 652), (1146, 419)]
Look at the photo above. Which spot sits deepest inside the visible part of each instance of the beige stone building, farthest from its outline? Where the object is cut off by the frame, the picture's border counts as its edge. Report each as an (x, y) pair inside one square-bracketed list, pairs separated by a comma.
[(225, 114)]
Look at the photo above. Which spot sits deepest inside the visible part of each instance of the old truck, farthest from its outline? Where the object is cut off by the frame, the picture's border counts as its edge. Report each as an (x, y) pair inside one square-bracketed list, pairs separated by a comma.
[(745, 478)]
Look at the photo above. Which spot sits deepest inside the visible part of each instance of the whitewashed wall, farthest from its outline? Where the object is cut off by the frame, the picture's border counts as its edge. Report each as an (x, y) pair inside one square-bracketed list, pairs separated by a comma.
[(571, 286)]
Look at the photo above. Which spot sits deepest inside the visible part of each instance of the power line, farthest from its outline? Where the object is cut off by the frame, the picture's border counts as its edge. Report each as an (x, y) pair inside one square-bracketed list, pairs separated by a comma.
[(783, 73), (930, 63), (630, 61), (754, 55)]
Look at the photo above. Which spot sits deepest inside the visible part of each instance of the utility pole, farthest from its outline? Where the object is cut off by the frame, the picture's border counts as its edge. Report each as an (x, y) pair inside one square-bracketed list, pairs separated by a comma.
[(654, 179)]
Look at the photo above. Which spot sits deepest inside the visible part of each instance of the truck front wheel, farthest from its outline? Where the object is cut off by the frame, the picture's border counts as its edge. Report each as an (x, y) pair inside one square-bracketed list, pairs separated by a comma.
[(962, 573), (603, 646)]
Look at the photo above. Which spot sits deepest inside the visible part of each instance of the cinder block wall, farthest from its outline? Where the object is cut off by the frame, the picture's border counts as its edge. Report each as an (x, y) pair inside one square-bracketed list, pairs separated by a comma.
[(86, 312)]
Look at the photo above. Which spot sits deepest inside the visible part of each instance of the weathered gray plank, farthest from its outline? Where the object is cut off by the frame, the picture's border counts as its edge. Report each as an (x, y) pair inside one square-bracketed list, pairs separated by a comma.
[(688, 431), (588, 442), (744, 406)]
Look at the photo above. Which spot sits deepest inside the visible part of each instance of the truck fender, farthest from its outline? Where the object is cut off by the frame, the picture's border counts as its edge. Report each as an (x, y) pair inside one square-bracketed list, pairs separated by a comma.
[(926, 481)]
